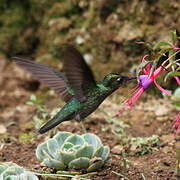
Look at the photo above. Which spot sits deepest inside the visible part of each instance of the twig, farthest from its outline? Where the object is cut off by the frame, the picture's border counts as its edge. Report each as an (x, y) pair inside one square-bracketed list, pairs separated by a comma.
[(63, 175), (121, 175), (143, 177), (169, 58), (68, 172)]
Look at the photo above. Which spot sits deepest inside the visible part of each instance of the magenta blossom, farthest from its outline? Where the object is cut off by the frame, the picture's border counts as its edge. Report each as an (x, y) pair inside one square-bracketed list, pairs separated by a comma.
[(145, 81), (176, 124)]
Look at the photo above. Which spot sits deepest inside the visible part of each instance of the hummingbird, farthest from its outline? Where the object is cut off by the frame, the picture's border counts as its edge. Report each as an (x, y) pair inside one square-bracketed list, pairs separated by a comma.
[(75, 85)]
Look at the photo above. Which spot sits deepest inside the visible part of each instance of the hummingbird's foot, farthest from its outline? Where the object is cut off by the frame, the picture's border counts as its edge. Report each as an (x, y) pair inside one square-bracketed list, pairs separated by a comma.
[(53, 132), (78, 118), (83, 127)]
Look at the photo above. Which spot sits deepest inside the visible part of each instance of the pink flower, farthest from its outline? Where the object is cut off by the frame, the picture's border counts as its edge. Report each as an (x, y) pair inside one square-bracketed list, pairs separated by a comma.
[(145, 82), (176, 124)]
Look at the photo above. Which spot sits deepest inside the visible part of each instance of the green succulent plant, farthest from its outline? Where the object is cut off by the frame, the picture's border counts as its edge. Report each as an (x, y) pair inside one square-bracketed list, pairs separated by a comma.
[(11, 171), (67, 150)]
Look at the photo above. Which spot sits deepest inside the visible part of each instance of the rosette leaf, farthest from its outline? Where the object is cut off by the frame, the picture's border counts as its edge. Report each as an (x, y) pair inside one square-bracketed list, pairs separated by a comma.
[(66, 150), (11, 171)]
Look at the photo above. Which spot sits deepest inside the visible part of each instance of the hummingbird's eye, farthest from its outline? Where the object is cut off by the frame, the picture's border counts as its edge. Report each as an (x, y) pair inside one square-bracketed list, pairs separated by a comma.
[(119, 79)]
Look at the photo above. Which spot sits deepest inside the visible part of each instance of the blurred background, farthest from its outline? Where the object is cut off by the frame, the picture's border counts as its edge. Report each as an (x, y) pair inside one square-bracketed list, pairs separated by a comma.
[(107, 32), (110, 35)]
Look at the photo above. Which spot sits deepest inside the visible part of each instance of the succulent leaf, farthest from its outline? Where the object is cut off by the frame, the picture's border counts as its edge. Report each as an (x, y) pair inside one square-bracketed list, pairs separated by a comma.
[(96, 165), (79, 163), (41, 151), (73, 151), (12, 177), (11, 171), (76, 147), (3, 167), (68, 147), (61, 137), (54, 164), (85, 151), (52, 146), (103, 152), (76, 140), (67, 157), (93, 140)]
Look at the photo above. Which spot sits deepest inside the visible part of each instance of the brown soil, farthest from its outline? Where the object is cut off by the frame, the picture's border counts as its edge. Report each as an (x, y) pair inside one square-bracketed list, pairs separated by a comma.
[(15, 90)]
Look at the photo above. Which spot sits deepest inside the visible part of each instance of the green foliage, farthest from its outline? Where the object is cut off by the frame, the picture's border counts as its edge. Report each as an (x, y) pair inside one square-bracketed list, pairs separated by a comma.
[(141, 146), (11, 171), (67, 150), (176, 99), (164, 54), (177, 93), (171, 74), (26, 137), (169, 50), (41, 114), (17, 27)]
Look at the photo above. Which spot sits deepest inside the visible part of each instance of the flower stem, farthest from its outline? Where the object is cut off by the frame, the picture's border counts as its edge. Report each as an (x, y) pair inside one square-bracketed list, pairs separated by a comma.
[(68, 172), (163, 64), (175, 62)]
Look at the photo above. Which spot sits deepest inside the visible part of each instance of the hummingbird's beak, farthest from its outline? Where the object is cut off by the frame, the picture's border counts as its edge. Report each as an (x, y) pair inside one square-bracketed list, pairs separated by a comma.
[(126, 78)]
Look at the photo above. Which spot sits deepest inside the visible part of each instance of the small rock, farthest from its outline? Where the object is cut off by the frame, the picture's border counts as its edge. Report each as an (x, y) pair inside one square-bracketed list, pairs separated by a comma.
[(167, 149), (166, 163), (59, 23), (167, 138), (76, 178), (161, 111), (117, 149), (127, 33), (162, 118), (177, 145), (88, 58), (3, 129), (80, 40)]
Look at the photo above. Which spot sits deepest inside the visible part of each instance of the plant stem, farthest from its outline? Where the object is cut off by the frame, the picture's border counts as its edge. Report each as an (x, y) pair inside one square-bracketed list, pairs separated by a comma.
[(88, 174), (175, 62), (178, 162), (64, 175), (121, 175), (83, 127), (124, 161), (169, 58), (68, 172)]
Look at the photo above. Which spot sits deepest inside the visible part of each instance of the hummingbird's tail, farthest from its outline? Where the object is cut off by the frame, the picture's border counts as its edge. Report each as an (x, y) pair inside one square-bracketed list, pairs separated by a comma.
[(53, 122)]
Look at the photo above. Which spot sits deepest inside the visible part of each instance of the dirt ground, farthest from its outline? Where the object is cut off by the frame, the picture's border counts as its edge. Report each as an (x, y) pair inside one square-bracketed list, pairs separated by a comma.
[(152, 117)]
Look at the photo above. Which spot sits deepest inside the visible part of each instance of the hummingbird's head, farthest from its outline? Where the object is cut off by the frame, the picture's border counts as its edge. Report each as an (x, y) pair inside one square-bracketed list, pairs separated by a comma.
[(114, 80)]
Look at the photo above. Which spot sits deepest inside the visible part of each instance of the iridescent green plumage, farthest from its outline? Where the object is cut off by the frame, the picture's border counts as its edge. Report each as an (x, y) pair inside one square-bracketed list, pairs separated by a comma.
[(77, 86)]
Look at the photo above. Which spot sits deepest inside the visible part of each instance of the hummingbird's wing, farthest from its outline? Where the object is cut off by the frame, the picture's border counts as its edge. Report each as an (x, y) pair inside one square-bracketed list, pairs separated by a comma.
[(78, 73), (47, 76)]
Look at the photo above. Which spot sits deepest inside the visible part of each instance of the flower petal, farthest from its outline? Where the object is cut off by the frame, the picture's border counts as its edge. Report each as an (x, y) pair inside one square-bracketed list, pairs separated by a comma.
[(157, 72), (162, 89), (176, 124), (129, 103), (144, 57), (145, 81), (177, 80), (147, 68)]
